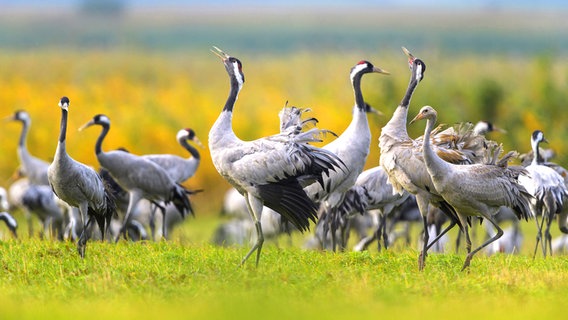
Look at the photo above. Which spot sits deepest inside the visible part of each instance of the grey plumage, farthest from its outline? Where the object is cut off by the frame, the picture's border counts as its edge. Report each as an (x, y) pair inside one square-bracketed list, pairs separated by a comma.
[(401, 157), (179, 168), (548, 189), (371, 191), (33, 168), (352, 147), (143, 179), (41, 200), (474, 190), (79, 185), (270, 171)]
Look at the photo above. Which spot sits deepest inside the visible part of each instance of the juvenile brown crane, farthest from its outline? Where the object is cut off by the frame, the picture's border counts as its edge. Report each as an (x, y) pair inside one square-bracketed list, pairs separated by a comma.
[(474, 190)]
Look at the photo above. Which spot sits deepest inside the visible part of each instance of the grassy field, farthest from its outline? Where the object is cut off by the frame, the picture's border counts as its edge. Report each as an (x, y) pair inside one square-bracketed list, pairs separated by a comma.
[(189, 278), (153, 74)]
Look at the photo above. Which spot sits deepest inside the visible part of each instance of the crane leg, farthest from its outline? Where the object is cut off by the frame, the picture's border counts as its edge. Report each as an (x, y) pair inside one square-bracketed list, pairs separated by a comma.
[(164, 226), (439, 236), (547, 235), (538, 232), (152, 221), (134, 198), (423, 208), (255, 210), (82, 242), (485, 244)]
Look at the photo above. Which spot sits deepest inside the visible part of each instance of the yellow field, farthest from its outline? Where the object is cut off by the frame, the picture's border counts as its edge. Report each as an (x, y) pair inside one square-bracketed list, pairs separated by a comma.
[(150, 96)]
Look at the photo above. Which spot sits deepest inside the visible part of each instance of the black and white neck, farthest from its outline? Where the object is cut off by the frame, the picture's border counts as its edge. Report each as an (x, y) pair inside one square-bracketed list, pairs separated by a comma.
[(536, 138), (188, 134), (64, 105), (237, 78), (417, 68), (357, 72)]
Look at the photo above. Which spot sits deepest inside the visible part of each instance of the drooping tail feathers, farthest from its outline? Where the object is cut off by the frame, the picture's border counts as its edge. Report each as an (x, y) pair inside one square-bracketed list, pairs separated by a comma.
[(180, 198), (106, 212)]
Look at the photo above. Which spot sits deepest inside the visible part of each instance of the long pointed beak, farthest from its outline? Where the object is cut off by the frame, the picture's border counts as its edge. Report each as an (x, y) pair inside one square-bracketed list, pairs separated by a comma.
[(375, 111), (86, 125), (198, 142), (408, 54), (219, 53), (497, 129), (379, 70), (8, 118), (418, 117)]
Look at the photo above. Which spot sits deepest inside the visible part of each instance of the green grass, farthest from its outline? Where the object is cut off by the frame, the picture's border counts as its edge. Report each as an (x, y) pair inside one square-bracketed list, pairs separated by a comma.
[(189, 278)]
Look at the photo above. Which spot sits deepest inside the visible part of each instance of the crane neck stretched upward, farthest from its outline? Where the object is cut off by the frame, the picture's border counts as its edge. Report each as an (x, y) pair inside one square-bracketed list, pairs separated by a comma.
[(63, 126), (356, 83), (410, 89), (99, 143), (24, 134), (236, 86)]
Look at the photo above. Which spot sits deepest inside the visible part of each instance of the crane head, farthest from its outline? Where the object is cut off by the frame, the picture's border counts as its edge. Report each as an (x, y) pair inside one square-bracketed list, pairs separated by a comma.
[(64, 103), (417, 66), (426, 112), (233, 65), (189, 134), (99, 119)]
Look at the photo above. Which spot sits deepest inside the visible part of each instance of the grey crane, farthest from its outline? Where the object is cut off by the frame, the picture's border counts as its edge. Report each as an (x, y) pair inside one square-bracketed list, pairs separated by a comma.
[(352, 147), (548, 189), (180, 169), (143, 179), (402, 160), (41, 200), (32, 167), (474, 190), (79, 185), (269, 171)]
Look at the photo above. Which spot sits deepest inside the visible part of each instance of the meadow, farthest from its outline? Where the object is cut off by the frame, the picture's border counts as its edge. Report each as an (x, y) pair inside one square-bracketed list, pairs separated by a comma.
[(155, 76), (189, 278)]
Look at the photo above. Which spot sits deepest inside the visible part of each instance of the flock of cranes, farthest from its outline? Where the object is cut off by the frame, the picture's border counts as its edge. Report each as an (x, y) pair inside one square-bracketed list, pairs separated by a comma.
[(286, 183)]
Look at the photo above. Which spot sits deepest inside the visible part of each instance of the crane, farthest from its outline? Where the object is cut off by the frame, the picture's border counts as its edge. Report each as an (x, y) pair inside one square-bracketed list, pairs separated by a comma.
[(32, 167), (474, 190), (79, 185), (143, 179), (548, 189), (352, 147), (180, 169), (402, 160), (269, 171)]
